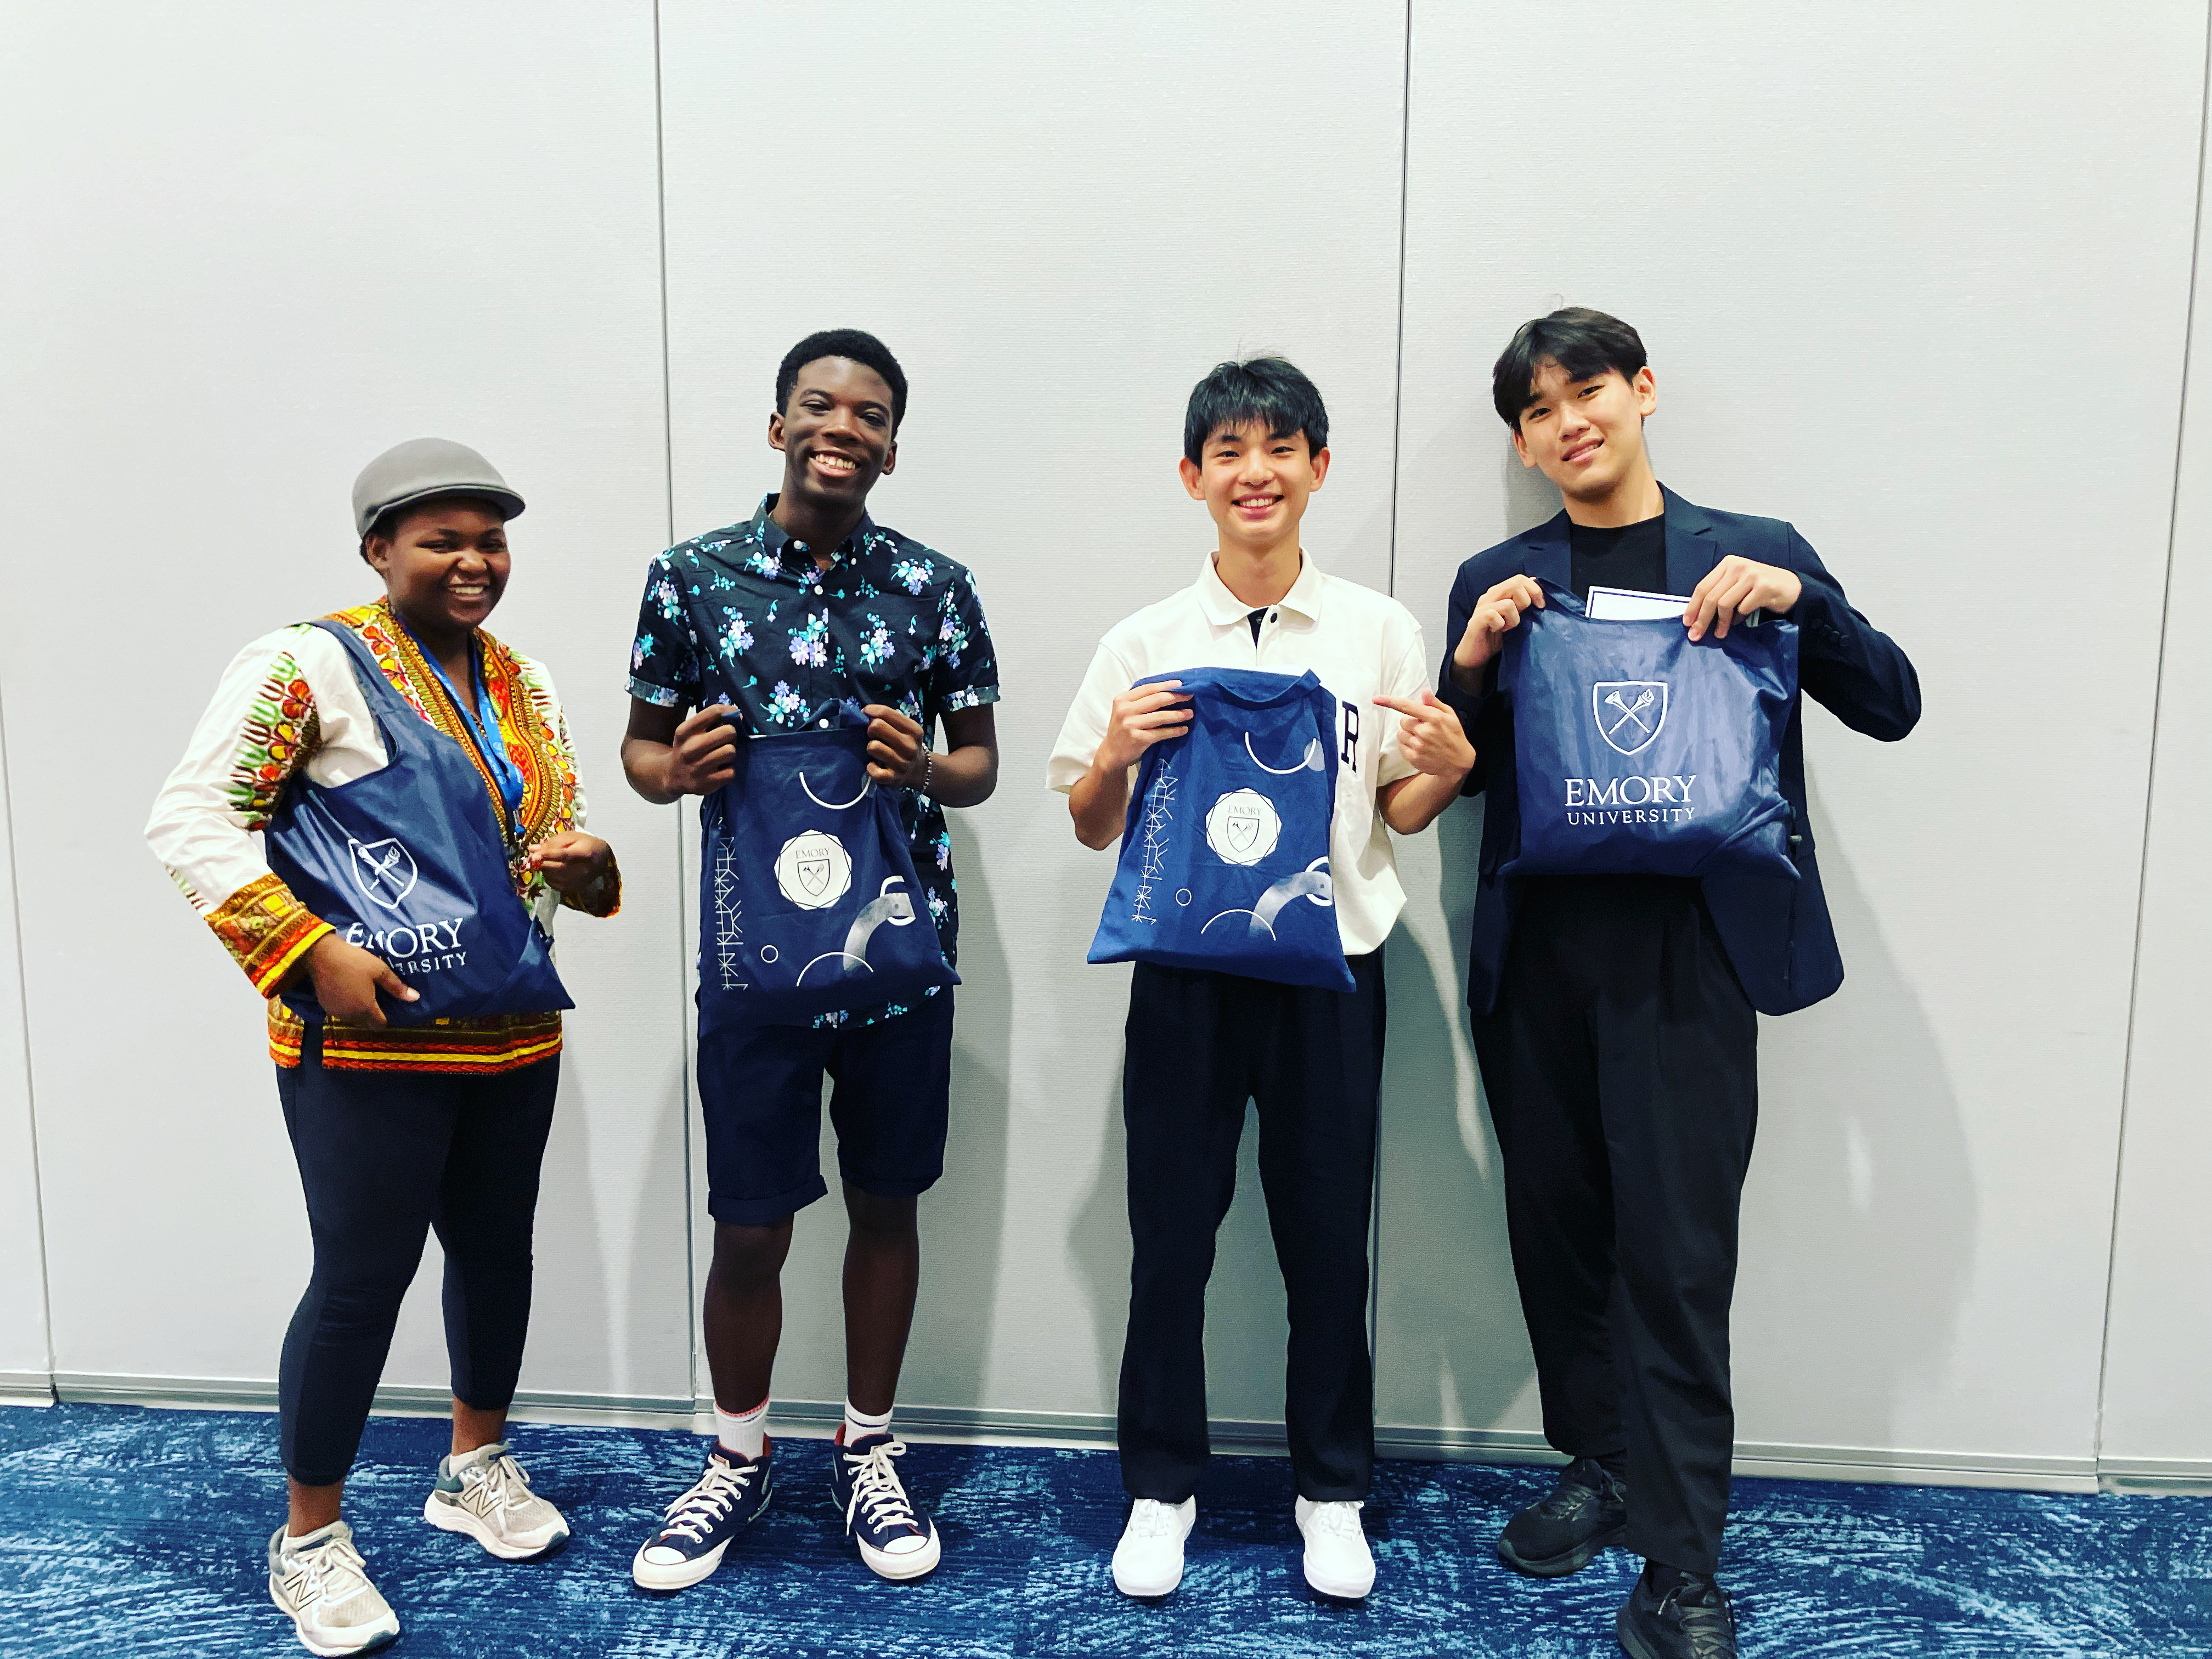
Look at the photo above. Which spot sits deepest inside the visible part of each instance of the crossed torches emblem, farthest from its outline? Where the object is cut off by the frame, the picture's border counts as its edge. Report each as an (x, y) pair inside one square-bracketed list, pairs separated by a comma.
[(383, 870), (1630, 712)]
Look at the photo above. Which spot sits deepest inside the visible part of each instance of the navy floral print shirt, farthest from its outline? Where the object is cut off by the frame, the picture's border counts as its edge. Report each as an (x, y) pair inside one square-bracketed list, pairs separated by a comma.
[(745, 615)]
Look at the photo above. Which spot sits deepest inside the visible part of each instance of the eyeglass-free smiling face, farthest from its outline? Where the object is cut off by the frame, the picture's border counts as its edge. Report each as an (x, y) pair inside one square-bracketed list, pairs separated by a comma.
[(445, 567), (836, 433), (1255, 483), (1586, 436)]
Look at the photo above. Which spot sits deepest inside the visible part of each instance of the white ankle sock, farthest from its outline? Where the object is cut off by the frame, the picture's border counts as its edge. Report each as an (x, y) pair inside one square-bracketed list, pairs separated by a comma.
[(859, 1423), (742, 1434)]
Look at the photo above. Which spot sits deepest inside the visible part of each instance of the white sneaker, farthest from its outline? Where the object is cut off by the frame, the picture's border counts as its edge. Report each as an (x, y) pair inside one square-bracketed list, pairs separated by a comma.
[(321, 1581), (1338, 1560), (485, 1494), (1148, 1561)]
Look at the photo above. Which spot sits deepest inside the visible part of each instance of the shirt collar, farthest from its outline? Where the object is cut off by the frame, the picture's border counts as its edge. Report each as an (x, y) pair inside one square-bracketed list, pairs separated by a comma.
[(773, 539), (1223, 607)]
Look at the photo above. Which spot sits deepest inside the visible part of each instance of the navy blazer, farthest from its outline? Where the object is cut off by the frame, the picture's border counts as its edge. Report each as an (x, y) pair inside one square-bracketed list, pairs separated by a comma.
[(1777, 931)]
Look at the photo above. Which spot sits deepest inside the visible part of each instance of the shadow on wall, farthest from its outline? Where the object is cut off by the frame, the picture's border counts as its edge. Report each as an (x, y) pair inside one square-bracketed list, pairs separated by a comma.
[(964, 1215), (1861, 1201), (1453, 1353), (1530, 497)]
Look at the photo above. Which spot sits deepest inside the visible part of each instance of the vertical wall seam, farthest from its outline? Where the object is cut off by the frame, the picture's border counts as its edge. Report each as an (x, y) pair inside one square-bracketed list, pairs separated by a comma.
[(668, 539), (1398, 385), (2150, 775), (1397, 423), (30, 1086)]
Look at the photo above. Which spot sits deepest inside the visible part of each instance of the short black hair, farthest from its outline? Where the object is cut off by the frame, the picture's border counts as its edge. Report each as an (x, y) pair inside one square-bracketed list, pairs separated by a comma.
[(1266, 392), (1585, 344), (854, 343)]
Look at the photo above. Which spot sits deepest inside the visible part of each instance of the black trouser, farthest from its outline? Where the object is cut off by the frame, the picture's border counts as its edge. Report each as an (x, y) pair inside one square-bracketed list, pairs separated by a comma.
[(1199, 1045), (384, 1156), (1621, 1064)]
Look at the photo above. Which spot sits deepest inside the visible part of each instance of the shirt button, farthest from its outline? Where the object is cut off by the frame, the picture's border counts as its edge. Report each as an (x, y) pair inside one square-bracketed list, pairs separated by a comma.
[(1272, 616), (824, 725)]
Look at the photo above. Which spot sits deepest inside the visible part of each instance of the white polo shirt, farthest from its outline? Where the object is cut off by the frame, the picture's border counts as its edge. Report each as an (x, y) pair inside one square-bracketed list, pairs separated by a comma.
[(1359, 643)]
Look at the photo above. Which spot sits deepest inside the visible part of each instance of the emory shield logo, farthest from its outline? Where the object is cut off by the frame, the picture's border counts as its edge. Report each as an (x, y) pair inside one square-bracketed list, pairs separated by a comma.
[(383, 870), (813, 870), (1629, 713), (1244, 826)]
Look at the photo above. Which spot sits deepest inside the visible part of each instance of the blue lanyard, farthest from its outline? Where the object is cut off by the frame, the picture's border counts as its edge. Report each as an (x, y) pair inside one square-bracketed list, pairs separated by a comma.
[(483, 726)]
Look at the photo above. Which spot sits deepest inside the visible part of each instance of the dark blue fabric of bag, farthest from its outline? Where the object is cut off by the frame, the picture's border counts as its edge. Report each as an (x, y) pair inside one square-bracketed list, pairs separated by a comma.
[(807, 897), (1639, 752), (410, 863), (1224, 856)]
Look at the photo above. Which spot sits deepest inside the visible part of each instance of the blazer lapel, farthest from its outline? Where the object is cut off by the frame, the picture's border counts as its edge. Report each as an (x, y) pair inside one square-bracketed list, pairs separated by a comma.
[(1692, 552), (1549, 558)]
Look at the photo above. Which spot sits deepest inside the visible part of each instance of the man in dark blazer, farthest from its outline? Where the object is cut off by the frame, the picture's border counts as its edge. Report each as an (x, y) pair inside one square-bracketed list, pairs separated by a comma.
[(1614, 1015)]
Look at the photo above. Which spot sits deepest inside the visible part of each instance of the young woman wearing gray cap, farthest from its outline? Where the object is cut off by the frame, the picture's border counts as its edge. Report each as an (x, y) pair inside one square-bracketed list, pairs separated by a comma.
[(400, 1122)]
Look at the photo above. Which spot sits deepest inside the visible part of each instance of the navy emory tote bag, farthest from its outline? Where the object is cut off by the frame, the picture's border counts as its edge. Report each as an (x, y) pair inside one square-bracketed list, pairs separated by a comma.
[(807, 896), (1639, 752), (410, 863), (1224, 856)]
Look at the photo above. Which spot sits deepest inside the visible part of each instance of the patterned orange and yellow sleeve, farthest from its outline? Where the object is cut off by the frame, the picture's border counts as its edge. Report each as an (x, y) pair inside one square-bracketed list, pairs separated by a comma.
[(258, 730), (553, 792)]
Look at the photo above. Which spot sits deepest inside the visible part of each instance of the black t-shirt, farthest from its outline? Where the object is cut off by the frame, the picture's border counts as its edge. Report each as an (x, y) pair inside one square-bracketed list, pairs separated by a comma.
[(1631, 555)]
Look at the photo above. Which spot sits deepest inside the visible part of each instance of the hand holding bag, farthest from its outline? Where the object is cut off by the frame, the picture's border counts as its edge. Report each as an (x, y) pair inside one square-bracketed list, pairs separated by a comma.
[(808, 900), (1224, 856), (410, 863), (1638, 751)]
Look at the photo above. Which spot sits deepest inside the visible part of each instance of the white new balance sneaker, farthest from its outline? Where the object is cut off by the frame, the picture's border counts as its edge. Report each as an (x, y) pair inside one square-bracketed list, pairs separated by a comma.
[(1148, 1561), (1338, 1560), (485, 1494), (321, 1581)]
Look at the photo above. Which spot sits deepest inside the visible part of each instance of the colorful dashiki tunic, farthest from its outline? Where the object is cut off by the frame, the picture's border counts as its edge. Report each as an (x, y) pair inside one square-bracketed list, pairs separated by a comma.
[(746, 616), (289, 704)]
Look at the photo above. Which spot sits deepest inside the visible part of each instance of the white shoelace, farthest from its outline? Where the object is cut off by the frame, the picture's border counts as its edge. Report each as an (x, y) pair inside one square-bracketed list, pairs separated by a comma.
[(1341, 1518), (498, 1484), (876, 1492), (1151, 1518), (330, 1571), (717, 1492)]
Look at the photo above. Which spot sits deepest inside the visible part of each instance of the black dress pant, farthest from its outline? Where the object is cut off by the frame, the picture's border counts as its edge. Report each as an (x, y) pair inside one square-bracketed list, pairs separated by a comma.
[(384, 1158), (1199, 1045), (1621, 1067)]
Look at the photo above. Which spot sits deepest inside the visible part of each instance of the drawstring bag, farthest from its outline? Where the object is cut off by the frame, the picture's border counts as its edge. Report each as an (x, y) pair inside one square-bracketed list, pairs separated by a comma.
[(1224, 856), (410, 863), (1638, 751), (807, 896)]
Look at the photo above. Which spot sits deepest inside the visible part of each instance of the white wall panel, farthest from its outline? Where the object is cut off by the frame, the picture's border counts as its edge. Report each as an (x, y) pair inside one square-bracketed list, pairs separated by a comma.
[(259, 243), (2159, 1360), (1058, 220), (1916, 279), (24, 1359)]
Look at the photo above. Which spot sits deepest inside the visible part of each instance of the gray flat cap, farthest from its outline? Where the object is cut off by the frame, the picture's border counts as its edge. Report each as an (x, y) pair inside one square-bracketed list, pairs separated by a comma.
[(423, 467)]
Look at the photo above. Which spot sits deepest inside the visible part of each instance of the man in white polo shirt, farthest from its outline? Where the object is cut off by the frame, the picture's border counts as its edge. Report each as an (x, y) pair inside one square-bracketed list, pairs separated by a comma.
[(1199, 1043)]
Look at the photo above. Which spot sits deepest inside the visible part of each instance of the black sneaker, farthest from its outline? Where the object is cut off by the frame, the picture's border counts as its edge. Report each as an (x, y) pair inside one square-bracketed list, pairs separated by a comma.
[(1688, 1617), (896, 1540), (1587, 1511)]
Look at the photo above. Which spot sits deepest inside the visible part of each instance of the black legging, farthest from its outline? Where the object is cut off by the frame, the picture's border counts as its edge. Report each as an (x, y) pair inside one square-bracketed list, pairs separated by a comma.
[(384, 1156)]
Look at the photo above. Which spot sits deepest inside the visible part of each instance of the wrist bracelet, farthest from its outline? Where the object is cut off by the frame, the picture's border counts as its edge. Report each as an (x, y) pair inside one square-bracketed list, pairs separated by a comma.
[(928, 760)]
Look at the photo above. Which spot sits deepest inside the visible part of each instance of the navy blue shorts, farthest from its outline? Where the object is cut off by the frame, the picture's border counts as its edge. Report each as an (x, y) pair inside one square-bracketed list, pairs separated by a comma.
[(760, 1092)]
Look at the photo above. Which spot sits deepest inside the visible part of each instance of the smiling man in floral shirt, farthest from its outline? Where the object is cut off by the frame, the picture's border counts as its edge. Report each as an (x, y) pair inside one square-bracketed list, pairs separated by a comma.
[(751, 629)]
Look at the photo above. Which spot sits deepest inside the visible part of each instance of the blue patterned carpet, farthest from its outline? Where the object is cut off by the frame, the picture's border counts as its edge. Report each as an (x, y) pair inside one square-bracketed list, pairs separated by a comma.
[(124, 1531)]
